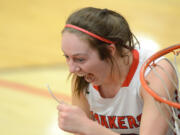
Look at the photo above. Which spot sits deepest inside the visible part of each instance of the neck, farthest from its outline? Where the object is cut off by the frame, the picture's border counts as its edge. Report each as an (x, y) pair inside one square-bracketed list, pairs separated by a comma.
[(121, 68)]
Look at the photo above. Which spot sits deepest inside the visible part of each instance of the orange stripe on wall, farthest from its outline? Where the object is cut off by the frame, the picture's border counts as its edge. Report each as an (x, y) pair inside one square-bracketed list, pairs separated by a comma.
[(32, 90)]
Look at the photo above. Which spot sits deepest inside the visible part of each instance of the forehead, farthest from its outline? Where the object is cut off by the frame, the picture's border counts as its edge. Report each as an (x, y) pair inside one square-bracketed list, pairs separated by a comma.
[(72, 44)]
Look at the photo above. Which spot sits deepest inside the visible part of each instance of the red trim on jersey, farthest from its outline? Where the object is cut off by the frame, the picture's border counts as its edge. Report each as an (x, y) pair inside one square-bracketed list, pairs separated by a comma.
[(131, 72), (132, 68), (96, 87)]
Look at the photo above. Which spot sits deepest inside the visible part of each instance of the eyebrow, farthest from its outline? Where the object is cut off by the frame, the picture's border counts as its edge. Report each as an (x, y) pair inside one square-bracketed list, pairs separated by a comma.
[(77, 54)]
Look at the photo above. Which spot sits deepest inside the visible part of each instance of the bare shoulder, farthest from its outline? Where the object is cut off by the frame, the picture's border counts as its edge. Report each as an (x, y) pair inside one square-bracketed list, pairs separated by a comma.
[(157, 79)]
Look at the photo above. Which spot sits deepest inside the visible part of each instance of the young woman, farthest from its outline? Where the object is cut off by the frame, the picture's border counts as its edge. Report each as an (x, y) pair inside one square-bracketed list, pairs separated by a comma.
[(107, 97)]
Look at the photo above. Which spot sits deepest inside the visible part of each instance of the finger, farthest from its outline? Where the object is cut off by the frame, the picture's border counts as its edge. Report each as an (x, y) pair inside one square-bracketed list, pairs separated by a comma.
[(61, 107)]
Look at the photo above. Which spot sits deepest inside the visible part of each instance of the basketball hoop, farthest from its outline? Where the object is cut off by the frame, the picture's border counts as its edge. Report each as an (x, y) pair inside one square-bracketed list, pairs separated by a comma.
[(172, 105)]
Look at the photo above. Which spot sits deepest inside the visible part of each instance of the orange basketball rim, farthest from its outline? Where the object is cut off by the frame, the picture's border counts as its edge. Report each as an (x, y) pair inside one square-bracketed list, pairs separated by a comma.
[(150, 60)]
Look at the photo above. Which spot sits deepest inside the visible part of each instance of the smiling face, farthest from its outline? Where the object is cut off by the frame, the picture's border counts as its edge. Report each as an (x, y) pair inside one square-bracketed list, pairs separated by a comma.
[(83, 60)]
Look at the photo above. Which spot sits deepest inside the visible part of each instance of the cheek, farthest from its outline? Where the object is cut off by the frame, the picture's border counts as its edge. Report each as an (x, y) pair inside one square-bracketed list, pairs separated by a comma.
[(96, 67), (100, 68), (103, 71), (92, 66)]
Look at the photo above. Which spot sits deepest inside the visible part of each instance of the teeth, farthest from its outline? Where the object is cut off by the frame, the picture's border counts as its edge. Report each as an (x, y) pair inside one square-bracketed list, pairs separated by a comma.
[(88, 77), (80, 75)]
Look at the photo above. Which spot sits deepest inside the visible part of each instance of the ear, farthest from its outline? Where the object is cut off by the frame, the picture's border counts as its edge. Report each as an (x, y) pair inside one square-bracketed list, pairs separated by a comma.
[(112, 49)]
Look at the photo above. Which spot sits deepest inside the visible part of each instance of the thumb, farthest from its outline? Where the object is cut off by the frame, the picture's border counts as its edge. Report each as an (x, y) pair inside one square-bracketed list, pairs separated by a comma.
[(60, 107)]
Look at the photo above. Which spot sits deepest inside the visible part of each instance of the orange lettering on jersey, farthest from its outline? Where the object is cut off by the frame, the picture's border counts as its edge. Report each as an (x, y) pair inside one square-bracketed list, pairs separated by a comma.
[(103, 121), (112, 123), (96, 116), (139, 118), (117, 122), (132, 122), (121, 122)]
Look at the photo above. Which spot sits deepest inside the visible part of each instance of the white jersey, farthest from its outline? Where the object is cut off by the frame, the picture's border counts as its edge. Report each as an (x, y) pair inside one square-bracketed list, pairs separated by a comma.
[(121, 113)]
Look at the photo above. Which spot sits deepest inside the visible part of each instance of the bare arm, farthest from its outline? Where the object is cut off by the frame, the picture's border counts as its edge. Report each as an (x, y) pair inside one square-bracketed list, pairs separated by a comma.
[(81, 102), (153, 122)]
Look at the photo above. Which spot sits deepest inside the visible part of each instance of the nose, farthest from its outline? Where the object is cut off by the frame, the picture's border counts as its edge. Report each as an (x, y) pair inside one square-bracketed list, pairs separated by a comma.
[(73, 67)]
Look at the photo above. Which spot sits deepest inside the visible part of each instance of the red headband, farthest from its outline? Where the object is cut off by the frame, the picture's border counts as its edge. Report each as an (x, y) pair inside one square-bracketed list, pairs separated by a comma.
[(89, 33)]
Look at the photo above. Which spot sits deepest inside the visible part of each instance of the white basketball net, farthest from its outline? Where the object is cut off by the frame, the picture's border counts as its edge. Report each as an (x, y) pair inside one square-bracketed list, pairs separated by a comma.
[(174, 123)]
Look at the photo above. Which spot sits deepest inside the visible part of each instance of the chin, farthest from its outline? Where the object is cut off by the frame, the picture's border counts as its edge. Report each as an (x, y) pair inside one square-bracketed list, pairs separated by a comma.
[(95, 83)]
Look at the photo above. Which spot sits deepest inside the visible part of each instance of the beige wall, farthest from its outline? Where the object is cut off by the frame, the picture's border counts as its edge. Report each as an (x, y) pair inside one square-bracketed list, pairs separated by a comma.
[(30, 30)]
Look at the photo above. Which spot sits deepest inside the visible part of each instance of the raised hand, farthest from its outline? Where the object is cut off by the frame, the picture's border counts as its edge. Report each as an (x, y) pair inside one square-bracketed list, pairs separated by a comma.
[(72, 118)]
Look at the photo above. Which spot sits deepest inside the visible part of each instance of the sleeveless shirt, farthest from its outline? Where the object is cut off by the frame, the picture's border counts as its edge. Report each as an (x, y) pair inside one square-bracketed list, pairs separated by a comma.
[(122, 113)]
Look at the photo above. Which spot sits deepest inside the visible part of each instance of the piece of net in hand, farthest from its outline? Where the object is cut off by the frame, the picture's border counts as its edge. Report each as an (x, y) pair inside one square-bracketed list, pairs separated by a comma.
[(171, 103), (53, 96)]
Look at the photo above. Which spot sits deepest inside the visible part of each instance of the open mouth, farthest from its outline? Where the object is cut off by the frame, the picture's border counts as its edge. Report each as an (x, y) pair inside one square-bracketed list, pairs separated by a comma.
[(88, 77)]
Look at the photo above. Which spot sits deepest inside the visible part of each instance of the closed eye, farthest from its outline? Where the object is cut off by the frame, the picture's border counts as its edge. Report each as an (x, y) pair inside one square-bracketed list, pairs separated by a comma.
[(80, 60), (66, 56)]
